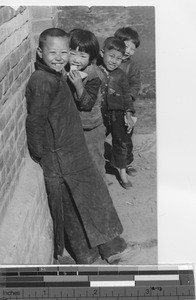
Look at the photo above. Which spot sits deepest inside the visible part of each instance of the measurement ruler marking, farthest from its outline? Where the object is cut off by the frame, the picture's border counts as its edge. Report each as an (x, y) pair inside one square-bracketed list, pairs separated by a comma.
[(97, 282)]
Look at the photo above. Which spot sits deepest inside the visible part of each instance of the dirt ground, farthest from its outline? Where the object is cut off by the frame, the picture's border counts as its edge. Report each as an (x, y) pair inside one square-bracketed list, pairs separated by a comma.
[(137, 207)]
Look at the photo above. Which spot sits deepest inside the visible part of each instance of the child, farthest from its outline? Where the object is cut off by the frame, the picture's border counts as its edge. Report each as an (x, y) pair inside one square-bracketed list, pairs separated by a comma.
[(81, 208), (118, 104), (84, 49), (131, 40)]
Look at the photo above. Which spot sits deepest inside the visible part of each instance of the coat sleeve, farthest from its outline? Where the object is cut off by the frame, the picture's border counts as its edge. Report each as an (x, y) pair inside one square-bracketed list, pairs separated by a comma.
[(133, 74), (128, 100), (89, 95), (38, 96)]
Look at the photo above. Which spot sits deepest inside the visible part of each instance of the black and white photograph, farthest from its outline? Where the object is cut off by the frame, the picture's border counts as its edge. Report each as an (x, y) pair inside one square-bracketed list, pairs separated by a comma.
[(57, 198), (78, 135)]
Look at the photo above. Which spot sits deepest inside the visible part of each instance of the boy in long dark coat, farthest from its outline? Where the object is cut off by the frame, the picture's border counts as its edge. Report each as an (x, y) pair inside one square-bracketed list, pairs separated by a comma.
[(79, 201)]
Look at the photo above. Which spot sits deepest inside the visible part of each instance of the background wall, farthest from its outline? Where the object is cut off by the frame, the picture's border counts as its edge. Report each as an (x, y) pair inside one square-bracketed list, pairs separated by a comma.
[(25, 222), (104, 21)]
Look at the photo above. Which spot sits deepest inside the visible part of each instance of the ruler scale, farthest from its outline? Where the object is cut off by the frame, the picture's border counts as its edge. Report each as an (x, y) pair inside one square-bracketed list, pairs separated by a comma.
[(66, 282)]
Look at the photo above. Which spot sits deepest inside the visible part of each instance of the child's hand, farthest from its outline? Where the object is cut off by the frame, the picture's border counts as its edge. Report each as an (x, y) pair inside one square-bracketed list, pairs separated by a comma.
[(129, 121), (75, 78)]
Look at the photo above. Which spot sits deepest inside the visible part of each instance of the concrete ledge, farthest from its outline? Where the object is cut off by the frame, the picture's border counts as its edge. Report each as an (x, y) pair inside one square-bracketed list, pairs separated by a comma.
[(26, 233)]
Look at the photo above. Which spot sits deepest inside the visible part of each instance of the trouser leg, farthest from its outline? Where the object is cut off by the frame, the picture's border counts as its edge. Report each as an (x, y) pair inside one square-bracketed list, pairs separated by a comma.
[(55, 198), (119, 147), (129, 144)]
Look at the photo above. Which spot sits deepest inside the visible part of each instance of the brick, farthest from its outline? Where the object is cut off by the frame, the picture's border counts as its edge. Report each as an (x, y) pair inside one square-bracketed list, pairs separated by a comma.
[(21, 123), (11, 146), (3, 177), (6, 97), (1, 142), (3, 53), (16, 24), (8, 130), (24, 150), (6, 153), (4, 69), (26, 74), (20, 142), (16, 133), (15, 57), (9, 163), (19, 112), (1, 89), (18, 162), (24, 47), (5, 85), (11, 78), (14, 105), (14, 40), (16, 85), (2, 121), (8, 113), (16, 72), (1, 163), (1, 16), (25, 60), (3, 34), (20, 66), (8, 13)]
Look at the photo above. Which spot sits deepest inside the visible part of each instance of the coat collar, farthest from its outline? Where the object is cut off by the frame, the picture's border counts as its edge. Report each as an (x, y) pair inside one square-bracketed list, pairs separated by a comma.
[(41, 65)]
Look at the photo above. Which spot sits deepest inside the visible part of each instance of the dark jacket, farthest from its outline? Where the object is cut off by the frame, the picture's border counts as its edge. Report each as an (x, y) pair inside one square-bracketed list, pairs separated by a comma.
[(116, 92), (131, 69), (56, 140)]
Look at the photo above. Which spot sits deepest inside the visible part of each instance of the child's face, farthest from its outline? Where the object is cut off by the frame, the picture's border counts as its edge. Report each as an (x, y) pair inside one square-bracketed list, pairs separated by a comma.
[(79, 59), (130, 48), (112, 59), (55, 52)]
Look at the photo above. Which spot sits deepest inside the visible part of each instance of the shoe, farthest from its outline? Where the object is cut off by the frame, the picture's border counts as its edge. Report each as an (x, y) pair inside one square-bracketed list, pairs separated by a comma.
[(131, 171), (88, 258), (111, 249), (126, 185)]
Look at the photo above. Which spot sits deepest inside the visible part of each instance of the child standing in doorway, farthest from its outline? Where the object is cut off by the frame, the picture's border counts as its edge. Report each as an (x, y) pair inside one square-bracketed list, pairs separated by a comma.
[(81, 208), (117, 104), (85, 81), (131, 68)]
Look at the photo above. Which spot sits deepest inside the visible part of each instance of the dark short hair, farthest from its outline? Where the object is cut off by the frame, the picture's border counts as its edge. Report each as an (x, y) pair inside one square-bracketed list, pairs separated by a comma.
[(114, 43), (127, 34), (85, 40), (53, 32)]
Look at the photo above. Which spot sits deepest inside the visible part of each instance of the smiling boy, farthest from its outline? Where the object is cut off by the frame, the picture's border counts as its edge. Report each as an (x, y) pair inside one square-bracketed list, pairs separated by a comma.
[(131, 39), (117, 104), (84, 218)]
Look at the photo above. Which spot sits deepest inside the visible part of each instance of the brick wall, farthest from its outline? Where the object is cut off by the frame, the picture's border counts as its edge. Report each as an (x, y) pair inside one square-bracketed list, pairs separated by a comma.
[(25, 222), (15, 69)]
